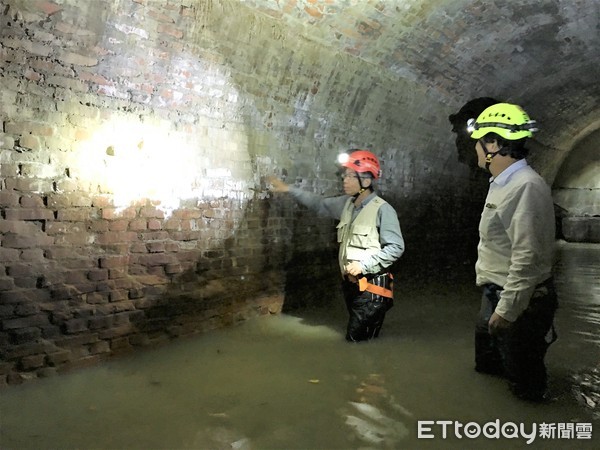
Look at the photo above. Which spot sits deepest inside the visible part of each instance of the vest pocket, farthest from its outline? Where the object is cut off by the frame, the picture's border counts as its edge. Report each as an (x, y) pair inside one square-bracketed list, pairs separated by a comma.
[(360, 236)]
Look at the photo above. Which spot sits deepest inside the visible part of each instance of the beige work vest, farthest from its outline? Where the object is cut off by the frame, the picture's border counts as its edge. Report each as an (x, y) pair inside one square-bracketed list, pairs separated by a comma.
[(358, 239)]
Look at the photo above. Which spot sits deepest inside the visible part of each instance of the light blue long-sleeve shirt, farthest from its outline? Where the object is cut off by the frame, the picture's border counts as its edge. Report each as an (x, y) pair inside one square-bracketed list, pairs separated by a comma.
[(390, 235)]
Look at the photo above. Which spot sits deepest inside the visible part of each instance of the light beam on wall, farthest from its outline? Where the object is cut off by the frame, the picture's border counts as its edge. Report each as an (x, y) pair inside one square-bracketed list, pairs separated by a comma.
[(133, 160)]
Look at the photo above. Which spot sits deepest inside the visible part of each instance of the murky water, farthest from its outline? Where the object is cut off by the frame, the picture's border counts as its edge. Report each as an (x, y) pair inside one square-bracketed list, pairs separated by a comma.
[(284, 382)]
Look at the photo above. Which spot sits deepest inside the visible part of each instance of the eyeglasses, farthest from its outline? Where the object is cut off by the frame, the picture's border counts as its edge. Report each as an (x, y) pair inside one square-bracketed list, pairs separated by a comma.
[(349, 175)]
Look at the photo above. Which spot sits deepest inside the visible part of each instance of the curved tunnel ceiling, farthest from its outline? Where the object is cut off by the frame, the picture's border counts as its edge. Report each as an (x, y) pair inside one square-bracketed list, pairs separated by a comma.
[(543, 54)]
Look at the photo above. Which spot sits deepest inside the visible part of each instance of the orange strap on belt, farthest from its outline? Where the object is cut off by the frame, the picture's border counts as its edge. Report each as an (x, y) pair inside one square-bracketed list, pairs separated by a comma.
[(364, 285)]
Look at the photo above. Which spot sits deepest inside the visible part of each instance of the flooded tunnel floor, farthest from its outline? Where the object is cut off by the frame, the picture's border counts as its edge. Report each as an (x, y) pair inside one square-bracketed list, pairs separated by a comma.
[(292, 382)]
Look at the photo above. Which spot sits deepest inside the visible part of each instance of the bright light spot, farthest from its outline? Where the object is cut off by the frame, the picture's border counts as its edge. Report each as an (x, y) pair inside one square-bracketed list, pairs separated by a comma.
[(343, 158), (134, 160), (470, 126)]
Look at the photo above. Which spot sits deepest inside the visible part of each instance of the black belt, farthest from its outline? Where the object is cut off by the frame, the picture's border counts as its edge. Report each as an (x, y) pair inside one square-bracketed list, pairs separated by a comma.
[(494, 287)]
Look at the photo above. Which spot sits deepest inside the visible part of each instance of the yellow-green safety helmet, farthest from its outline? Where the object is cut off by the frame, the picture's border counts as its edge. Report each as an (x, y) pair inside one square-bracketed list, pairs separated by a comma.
[(506, 120)]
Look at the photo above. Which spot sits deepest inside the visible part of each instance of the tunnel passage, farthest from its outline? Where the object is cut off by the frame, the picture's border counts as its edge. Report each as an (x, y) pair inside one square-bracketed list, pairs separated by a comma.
[(576, 190), (137, 134)]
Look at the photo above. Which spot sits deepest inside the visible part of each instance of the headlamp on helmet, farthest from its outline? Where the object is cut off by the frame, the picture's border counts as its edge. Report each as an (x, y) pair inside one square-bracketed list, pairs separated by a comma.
[(343, 158)]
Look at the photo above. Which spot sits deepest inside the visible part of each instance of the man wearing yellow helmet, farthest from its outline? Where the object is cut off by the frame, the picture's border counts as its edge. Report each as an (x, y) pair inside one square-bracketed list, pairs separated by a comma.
[(369, 237), (515, 255)]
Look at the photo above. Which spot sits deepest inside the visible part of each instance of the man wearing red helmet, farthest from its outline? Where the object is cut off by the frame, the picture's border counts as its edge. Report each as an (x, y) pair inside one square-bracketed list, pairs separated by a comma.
[(369, 237)]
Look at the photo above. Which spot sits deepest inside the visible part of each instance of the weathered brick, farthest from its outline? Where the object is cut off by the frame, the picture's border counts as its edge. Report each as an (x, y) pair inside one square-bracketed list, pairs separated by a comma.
[(64, 292), (98, 274), (99, 226), (152, 212), (154, 259), (76, 214), (158, 270), (116, 237), (58, 227), (101, 322), (12, 240), (136, 293), (9, 198), (108, 262), (23, 128), (172, 224), (116, 273), (24, 335), (32, 362), (65, 186), (75, 326), (8, 170), (154, 224), (32, 75), (118, 225), (172, 269), (13, 296), (35, 255), (100, 347), (28, 184), (25, 322), (30, 142), (118, 295), (21, 270), (29, 214), (138, 224), (31, 201), (59, 357), (87, 287), (94, 298), (47, 7), (78, 60), (68, 83), (6, 141), (6, 283), (117, 331), (73, 239), (154, 236), (155, 247), (26, 309), (75, 276)]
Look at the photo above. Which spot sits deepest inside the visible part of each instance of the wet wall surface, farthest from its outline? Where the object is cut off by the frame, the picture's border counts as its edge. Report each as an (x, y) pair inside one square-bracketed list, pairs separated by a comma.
[(293, 382)]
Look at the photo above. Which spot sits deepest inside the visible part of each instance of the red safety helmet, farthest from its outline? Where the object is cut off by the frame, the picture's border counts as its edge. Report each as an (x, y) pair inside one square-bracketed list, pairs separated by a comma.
[(361, 161)]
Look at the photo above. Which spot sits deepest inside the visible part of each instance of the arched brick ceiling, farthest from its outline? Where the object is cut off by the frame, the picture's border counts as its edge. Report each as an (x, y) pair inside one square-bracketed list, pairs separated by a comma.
[(544, 54)]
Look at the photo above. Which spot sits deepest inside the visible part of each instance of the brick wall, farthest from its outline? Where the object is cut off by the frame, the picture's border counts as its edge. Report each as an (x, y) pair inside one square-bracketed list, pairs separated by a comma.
[(135, 138)]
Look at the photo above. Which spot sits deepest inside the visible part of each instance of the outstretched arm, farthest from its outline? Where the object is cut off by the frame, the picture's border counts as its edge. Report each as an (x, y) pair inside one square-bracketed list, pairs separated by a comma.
[(323, 206)]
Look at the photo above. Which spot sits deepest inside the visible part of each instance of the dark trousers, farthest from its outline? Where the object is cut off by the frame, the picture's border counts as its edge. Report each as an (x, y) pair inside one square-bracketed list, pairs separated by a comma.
[(366, 311), (518, 352)]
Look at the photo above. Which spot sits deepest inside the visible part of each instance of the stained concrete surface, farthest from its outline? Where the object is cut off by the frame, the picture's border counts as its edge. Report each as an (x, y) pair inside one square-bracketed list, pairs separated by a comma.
[(291, 382)]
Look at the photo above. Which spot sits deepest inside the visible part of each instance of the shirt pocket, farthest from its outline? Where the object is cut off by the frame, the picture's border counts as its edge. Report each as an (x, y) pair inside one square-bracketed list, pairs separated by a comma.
[(490, 225)]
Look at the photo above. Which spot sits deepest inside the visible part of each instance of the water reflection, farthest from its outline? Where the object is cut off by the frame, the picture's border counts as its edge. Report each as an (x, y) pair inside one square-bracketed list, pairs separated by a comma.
[(578, 284), (285, 382)]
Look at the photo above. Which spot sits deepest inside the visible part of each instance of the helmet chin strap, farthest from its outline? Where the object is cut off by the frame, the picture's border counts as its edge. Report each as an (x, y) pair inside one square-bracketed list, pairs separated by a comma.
[(488, 155), (362, 188)]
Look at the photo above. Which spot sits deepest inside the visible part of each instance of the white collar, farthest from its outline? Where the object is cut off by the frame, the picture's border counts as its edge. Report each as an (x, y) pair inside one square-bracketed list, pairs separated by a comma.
[(505, 175)]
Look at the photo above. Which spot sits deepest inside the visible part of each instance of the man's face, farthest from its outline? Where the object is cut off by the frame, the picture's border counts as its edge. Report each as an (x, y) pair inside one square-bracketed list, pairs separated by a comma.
[(491, 147), (351, 184)]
